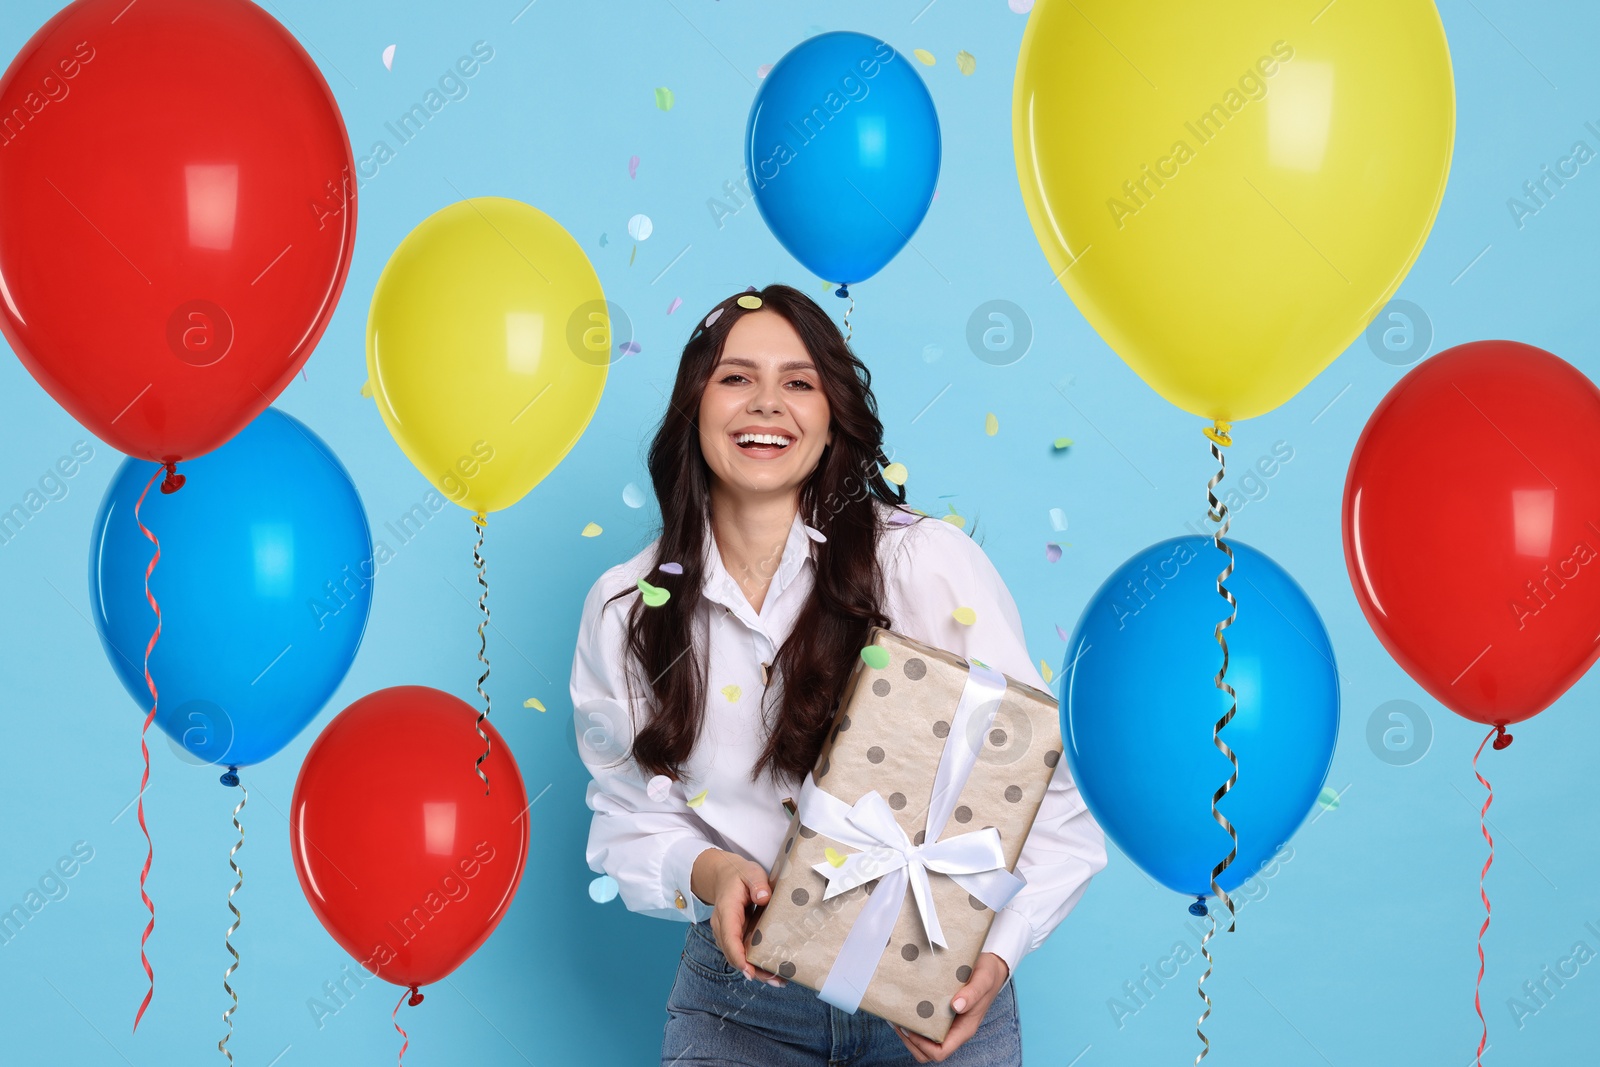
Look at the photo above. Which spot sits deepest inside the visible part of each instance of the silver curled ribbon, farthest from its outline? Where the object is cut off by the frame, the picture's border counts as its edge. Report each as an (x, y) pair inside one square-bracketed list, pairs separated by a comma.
[(479, 520), (227, 940), (974, 860), (1218, 512)]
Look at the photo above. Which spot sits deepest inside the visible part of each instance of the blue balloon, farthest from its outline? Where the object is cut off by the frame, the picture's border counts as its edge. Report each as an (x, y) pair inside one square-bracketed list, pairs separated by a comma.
[(842, 150), (264, 585), (1139, 701)]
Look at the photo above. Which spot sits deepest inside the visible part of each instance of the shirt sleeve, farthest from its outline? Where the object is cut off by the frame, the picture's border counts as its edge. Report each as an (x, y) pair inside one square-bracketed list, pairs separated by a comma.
[(648, 846), (942, 570)]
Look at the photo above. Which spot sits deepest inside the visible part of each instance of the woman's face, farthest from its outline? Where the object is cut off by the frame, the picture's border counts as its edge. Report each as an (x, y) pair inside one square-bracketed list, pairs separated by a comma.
[(763, 417)]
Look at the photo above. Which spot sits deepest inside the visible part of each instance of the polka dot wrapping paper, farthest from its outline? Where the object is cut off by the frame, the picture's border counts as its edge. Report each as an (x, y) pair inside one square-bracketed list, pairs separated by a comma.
[(888, 734)]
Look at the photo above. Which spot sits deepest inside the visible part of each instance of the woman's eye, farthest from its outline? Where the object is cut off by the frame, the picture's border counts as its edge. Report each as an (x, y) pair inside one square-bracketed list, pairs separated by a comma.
[(731, 377), (802, 383)]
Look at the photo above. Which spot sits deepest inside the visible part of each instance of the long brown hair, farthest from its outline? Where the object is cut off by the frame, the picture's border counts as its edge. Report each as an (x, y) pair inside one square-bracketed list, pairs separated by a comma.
[(838, 500)]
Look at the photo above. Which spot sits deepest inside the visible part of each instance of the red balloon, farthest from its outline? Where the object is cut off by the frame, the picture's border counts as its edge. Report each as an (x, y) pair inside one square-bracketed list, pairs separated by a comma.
[(1471, 524), (404, 859), (177, 216)]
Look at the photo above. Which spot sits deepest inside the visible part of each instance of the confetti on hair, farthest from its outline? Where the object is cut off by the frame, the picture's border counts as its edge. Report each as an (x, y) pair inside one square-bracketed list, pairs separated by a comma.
[(535, 703), (592, 529), (388, 58), (732, 692), (1058, 520), (671, 568), (991, 425), (965, 616), (965, 62), (632, 495), (659, 788), (603, 890), (677, 302), (815, 534), (716, 313), (896, 473), (875, 656), (924, 56), (1052, 552), (654, 596), (748, 301), (698, 799), (664, 98), (633, 166)]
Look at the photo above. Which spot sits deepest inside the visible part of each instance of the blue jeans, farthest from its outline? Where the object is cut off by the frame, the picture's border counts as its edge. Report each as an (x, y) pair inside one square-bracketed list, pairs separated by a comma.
[(718, 1018)]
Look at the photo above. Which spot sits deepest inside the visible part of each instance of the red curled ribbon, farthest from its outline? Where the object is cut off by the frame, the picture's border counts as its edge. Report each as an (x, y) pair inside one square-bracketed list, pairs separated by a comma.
[(144, 749), (1501, 741), (409, 996)]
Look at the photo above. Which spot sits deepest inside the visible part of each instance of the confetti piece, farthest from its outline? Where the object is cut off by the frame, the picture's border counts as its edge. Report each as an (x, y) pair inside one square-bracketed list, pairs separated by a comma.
[(833, 855), (924, 56), (965, 616), (763, 70), (816, 535), (654, 596), (659, 788), (1060, 443), (366, 387), (388, 58), (604, 240), (732, 692), (1022, 7), (1328, 798), (534, 703), (1058, 520), (1052, 552), (640, 227), (991, 425), (633, 166), (875, 656), (629, 348), (896, 473), (965, 62), (664, 98), (671, 568), (751, 302), (749, 288), (677, 302), (592, 530), (632, 495), (697, 800), (603, 890), (931, 353), (716, 314), (1062, 634), (1045, 671), (954, 518)]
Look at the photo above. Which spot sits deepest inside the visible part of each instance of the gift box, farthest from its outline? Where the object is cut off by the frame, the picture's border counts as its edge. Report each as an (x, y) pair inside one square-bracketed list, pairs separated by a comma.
[(924, 746)]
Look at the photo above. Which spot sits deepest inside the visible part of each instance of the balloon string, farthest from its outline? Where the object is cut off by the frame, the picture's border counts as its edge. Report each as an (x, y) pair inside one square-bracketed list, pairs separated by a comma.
[(227, 939), (1218, 512), (415, 998), (1501, 741), (847, 326), (144, 749), (483, 643)]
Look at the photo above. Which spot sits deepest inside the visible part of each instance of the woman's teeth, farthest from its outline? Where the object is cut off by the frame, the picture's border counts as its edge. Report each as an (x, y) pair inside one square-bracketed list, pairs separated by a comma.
[(746, 439)]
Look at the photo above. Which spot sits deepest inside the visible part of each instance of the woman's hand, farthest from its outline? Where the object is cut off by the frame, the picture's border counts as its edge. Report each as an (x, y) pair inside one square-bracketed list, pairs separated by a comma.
[(970, 1002), (732, 885)]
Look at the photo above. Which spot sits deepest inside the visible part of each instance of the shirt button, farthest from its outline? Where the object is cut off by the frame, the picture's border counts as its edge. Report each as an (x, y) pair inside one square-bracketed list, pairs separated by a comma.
[(680, 901)]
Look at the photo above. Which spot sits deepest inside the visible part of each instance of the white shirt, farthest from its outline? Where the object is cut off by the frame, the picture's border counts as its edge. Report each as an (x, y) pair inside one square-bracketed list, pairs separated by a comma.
[(649, 846)]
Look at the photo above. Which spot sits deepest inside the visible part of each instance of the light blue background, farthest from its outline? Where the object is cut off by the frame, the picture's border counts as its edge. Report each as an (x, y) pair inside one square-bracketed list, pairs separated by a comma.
[(1361, 949)]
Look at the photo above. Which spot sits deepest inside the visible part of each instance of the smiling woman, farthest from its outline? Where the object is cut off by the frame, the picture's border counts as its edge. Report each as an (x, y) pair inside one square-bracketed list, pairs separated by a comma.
[(782, 544)]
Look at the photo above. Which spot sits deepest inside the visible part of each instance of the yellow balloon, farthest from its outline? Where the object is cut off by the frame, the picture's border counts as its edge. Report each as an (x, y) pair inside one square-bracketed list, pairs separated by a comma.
[(488, 341), (1231, 191)]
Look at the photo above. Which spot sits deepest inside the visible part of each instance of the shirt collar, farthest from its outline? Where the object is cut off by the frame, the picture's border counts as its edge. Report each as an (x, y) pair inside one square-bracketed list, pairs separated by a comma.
[(721, 587)]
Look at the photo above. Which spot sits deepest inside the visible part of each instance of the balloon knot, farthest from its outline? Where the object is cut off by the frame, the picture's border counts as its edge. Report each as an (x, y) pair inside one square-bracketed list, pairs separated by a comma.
[(1502, 739), (173, 481), (1219, 432), (415, 998), (230, 777), (1198, 907), (481, 519), (843, 290)]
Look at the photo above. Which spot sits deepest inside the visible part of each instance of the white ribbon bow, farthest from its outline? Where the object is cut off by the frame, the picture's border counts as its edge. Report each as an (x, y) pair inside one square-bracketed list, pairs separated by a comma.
[(974, 860)]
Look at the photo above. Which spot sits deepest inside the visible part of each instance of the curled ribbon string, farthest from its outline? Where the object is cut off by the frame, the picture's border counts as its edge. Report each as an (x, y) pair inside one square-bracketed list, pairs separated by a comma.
[(844, 291), (227, 940), (479, 521), (1218, 513), (1500, 741), (144, 749), (415, 998)]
